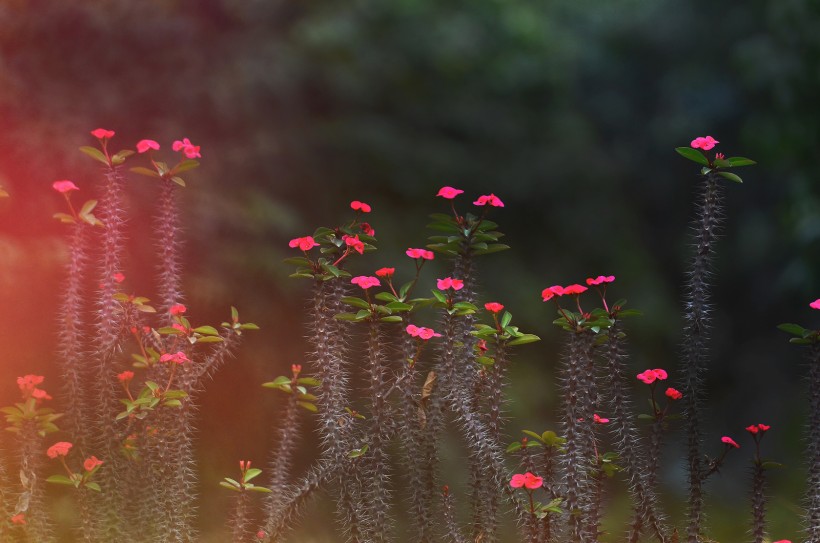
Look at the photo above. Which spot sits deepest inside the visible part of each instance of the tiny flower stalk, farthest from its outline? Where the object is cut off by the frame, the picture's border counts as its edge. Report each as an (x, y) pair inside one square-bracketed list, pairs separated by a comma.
[(241, 524), (757, 431), (697, 322)]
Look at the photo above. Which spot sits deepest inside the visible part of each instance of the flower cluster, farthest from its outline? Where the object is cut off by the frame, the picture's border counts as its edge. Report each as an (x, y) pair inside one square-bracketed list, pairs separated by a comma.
[(421, 332), (187, 148), (423, 254), (356, 205), (178, 357), (305, 244), (557, 290), (449, 282), (705, 143), (649, 376), (28, 386), (527, 480), (366, 281), (60, 448)]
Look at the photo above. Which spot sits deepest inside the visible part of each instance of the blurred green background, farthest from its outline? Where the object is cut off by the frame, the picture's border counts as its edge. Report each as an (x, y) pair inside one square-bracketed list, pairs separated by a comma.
[(568, 110)]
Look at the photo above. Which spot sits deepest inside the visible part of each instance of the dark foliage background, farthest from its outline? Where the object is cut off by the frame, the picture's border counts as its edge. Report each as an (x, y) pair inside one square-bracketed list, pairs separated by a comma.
[(568, 110)]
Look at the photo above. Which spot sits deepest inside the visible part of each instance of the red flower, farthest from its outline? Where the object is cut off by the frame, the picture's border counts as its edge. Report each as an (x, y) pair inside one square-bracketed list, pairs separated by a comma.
[(704, 143), (356, 205), (449, 192), (763, 427), (673, 394), (815, 304), (177, 309), (188, 149), (64, 186), (729, 441), (355, 242), (19, 519), (600, 279), (574, 289), (385, 272), (719, 156), (449, 282), (493, 307), (782, 541), (178, 357), (599, 420), (102, 133), (296, 369), (752, 429), (489, 199), (118, 277), (260, 534), (306, 243), (125, 376), (60, 448), (146, 145), (527, 480), (649, 376), (482, 345), (27, 383), (555, 290), (420, 253), (91, 463), (367, 229), (366, 281)]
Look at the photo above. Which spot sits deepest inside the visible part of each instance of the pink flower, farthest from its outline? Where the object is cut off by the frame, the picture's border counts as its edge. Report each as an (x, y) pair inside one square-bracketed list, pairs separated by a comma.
[(146, 145), (19, 519), (549, 292), (704, 143), (64, 186), (177, 326), (385, 272), (574, 289), (673, 393), (815, 304), (91, 463), (177, 309), (752, 429), (493, 307), (178, 357), (649, 376), (449, 192), (763, 427), (413, 330), (366, 281), (527, 480), (449, 282), (489, 199), (355, 243), (27, 383), (782, 541), (118, 277), (719, 156), (260, 534), (600, 279), (356, 205), (367, 229), (599, 420), (102, 133), (729, 441), (60, 448), (188, 149), (660, 374), (427, 333), (125, 376), (420, 253), (306, 243), (39, 394)]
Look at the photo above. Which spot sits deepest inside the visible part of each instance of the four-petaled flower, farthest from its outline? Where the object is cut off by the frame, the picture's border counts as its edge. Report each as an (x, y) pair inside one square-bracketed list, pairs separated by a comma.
[(355, 243), (421, 331), (420, 253), (549, 292), (649, 376), (600, 279), (19, 519), (178, 357), (356, 205), (449, 282), (673, 393), (493, 307), (815, 304), (28, 386), (102, 133), (729, 441), (449, 192), (125, 376), (366, 281), (306, 243), (385, 272), (60, 448), (575, 289), (489, 199), (599, 420), (188, 149), (704, 143), (64, 186), (177, 309), (527, 480), (90, 463), (147, 145)]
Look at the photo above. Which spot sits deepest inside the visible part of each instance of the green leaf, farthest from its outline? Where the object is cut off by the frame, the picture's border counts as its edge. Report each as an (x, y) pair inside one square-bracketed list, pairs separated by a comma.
[(309, 381), (151, 385), (144, 171), (794, 329), (737, 161), (93, 486), (185, 165), (88, 207), (355, 453), (60, 480), (64, 218), (276, 383), (524, 339), (514, 446), (505, 319), (229, 486), (399, 306), (533, 435), (692, 154), (356, 302), (386, 297), (346, 317), (730, 177), (392, 318), (494, 248), (209, 339), (439, 296), (251, 473), (178, 180), (253, 488), (309, 406), (771, 465), (120, 157), (248, 326), (94, 153), (172, 403)]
